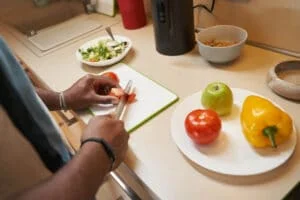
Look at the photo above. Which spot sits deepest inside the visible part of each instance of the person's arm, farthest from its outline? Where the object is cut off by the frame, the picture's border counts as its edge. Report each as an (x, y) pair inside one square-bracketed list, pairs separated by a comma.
[(79, 179), (49, 97), (88, 90), (83, 175)]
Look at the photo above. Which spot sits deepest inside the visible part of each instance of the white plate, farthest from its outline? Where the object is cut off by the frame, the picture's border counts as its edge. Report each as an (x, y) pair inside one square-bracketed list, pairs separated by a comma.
[(105, 62), (230, 154)]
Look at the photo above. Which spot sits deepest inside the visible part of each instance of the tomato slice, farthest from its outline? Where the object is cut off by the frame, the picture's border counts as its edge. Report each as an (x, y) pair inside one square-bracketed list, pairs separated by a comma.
[(203, 126), (131, 97), (112, 76), (119, 92)]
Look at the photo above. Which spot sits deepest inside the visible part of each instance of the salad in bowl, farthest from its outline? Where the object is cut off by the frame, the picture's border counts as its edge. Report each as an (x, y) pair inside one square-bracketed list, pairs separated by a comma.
[(104, 51)]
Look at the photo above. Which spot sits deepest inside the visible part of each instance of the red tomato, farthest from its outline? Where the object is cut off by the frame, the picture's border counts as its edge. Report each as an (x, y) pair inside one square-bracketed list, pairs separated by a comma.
[(203, 126), (112, 76)]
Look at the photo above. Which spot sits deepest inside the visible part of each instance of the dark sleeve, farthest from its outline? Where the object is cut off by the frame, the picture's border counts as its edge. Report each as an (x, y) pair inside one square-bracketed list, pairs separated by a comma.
[(28, 113)]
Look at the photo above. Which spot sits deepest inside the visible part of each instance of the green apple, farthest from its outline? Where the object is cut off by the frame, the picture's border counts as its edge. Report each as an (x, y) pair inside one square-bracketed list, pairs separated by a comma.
[(218, 97)]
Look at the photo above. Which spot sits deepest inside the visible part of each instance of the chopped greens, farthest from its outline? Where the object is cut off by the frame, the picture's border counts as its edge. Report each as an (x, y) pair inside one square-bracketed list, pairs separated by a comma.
[(103, 50)]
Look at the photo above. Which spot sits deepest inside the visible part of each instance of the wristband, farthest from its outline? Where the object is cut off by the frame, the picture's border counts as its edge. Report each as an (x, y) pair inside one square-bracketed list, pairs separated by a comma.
[(107, 148), (62, 101)]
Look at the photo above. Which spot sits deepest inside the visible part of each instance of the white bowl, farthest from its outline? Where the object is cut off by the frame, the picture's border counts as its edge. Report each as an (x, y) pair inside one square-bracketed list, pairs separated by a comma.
[(290, 90), (221, 32), (104, 62)]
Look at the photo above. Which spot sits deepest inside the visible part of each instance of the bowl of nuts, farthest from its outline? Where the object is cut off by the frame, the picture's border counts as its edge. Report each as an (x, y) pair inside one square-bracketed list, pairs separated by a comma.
[(221, 43)]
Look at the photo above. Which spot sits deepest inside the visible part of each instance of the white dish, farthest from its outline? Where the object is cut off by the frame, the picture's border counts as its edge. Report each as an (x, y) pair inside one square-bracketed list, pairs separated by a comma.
[(230, 154), (105, 62)]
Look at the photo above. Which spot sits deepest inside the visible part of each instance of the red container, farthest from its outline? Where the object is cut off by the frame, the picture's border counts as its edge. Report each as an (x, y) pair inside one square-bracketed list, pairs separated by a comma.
[(133, 13)]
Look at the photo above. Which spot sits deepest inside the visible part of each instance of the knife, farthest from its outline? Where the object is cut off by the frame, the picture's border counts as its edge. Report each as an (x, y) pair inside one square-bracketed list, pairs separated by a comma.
[(118, 113), (123, 101)]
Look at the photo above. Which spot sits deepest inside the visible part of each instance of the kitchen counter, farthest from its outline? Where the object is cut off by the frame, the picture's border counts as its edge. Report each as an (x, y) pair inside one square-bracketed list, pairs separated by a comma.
[(153, 155)]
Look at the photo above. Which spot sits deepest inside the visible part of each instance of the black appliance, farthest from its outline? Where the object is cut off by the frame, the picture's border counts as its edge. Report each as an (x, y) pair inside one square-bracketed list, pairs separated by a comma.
[(173, 26)]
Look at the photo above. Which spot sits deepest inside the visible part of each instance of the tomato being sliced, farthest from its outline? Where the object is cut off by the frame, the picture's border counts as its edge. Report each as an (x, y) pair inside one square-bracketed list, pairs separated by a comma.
[(117, 92), (112, 76), (203, 126)]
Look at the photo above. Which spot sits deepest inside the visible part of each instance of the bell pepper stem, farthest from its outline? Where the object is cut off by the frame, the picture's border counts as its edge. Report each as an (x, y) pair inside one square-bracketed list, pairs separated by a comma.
[(270, 132)]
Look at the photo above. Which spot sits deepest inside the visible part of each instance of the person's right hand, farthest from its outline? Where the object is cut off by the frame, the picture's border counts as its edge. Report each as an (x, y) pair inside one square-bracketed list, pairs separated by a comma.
[(112, 131)]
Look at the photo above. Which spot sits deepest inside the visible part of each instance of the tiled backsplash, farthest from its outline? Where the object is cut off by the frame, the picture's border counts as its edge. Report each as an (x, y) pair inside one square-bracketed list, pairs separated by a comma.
[(272, 22)]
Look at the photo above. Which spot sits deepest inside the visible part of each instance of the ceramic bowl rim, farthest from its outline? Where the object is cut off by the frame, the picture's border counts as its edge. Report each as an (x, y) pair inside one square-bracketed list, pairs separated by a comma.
[(202, 31)]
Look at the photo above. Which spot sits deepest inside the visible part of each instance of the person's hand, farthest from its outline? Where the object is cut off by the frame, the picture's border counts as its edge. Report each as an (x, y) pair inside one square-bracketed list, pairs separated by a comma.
[(112, 131), (88, 90)]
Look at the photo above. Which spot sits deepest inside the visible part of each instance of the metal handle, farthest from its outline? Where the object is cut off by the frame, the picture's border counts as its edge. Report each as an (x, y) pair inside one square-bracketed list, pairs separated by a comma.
[(108, 30), (125, 187)]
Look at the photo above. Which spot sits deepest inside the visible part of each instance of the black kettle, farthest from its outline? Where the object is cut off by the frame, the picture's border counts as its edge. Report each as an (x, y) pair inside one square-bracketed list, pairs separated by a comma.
[(173, 22)]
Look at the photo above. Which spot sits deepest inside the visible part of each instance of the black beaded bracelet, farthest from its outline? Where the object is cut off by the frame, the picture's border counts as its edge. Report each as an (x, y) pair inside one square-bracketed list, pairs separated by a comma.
[(106, 146)]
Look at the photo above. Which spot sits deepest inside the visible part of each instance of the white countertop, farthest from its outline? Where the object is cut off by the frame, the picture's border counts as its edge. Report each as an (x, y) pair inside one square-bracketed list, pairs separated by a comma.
[(153, 156)]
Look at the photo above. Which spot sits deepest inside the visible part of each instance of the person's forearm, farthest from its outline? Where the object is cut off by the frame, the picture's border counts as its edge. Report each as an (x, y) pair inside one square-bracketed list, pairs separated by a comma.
[(79, 179), (50, 98)]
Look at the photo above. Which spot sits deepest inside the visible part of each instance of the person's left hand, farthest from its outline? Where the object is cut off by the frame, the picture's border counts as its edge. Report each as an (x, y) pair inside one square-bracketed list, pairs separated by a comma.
[(88, 90)]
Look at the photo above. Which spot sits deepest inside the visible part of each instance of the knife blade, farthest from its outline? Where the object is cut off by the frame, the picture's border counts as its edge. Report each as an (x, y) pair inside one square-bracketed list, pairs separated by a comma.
[(123, 101)]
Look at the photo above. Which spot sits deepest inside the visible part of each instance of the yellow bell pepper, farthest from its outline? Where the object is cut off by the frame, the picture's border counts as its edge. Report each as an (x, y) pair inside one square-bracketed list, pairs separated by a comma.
[(263, 123)]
